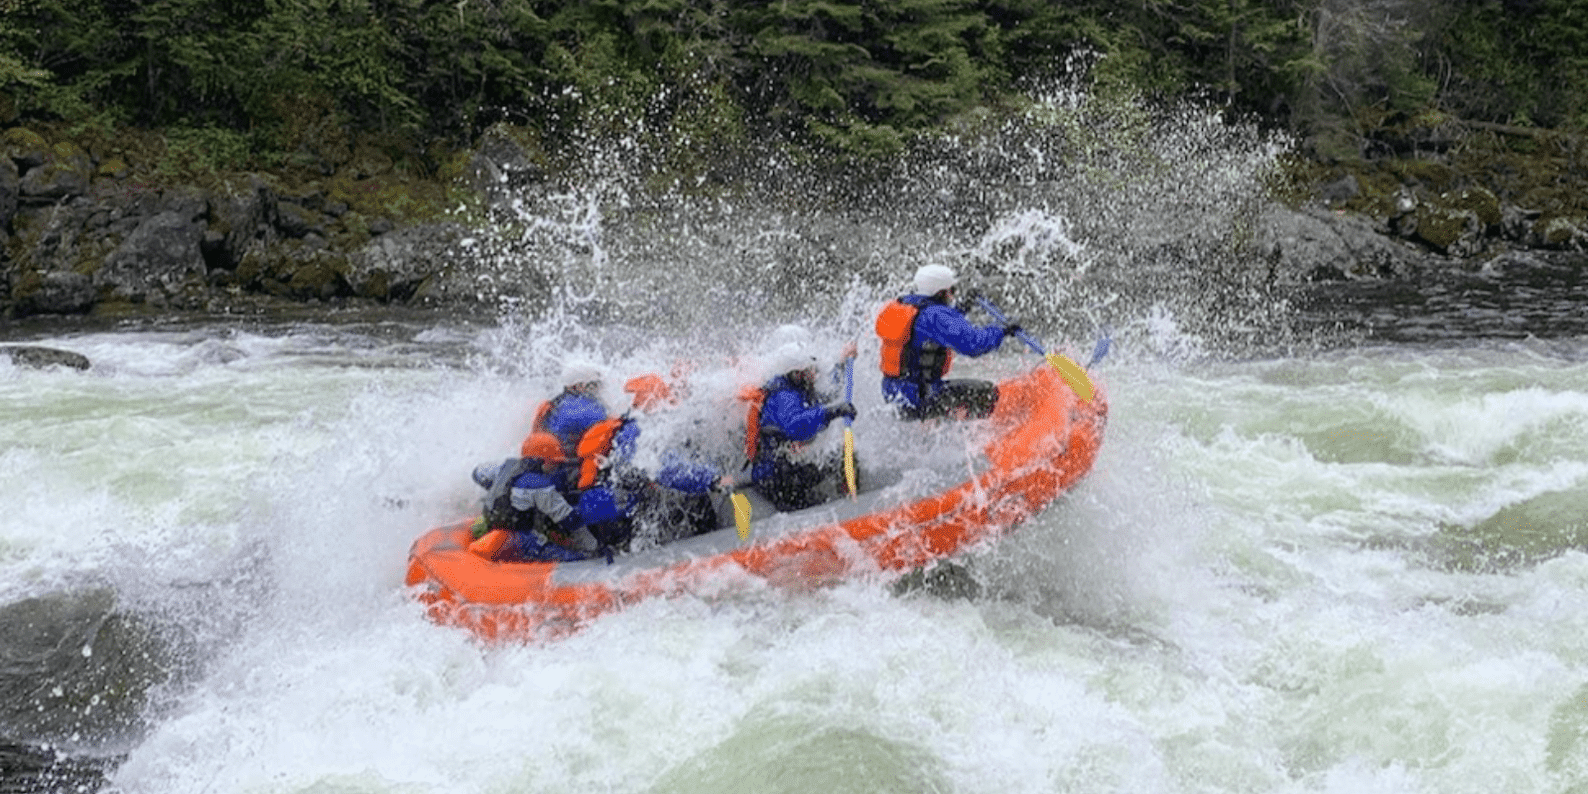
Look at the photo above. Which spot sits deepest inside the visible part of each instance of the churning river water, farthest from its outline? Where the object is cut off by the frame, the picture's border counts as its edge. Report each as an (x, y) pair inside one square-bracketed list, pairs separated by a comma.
[(1358, 569), (1357, 565)]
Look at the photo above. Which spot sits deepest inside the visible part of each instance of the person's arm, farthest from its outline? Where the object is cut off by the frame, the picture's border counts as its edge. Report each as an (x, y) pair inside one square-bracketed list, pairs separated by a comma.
[(787, 411), (536, 492), (837, 375), (687, 475), (949, 327)]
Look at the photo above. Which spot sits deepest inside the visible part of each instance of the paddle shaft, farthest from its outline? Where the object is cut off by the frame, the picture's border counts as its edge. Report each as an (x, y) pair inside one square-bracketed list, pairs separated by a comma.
[(999, 316), (1098, 352), (1072, 372), (849, 433)]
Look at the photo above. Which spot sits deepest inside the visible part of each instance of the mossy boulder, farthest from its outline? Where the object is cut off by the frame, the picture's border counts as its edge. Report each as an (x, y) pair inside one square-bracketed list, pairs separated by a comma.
[(1443, 228), (28, 148), (1563, 232), (66, 171), (113, 168), (1481, 202), (320, 276), (52, 292)]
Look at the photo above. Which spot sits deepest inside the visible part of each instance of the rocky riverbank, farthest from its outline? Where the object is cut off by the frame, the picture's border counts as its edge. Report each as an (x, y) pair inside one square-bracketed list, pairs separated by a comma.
[(1442, 199), (86, 231)]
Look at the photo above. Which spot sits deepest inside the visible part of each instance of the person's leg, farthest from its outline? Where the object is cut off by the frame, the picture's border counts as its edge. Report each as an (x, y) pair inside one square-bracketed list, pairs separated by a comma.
[(793, 486), (904, 396), (530, 547), (962, 399), (614, 533), (667, 515)]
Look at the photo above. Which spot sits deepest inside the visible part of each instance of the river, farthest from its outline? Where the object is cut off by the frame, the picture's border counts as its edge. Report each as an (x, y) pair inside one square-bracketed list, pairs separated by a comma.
[(1352, 566)]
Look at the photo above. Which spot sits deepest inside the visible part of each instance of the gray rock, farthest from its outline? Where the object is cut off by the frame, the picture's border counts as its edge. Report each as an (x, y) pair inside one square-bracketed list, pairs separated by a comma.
[(67, 171), (500, 168), (1343, 189), (1318, 245), (297, 220), (238, 218), (56, 292), (395, 266), (160, 255), (1517, 223), (10, 188), (1563, 233), (41, 357)]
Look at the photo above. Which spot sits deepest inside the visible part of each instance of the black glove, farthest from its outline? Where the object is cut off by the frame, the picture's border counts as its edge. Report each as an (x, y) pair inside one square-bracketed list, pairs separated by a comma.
[(1013, 329), (570, 523), (837, 410)]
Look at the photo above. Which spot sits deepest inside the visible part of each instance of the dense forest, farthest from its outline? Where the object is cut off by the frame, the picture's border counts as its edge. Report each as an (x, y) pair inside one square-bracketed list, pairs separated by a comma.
[(255, 84)]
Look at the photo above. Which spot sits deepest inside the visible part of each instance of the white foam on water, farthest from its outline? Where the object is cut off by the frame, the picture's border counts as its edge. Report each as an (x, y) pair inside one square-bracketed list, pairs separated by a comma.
[(1201, 613)]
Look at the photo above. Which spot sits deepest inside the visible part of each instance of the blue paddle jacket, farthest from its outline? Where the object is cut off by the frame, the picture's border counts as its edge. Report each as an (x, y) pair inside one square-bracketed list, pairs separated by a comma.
[(615, 496), (789, 415), (940, 324), (517, 490), (567, 416)]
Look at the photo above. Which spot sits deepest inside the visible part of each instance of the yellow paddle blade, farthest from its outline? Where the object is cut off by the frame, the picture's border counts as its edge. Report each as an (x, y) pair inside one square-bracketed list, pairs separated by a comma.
[(849, 461), (741, 514), (1072, 374)]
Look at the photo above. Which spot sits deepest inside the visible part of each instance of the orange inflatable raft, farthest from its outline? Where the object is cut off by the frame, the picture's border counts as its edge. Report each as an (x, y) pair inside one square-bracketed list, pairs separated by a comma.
[(1040, 440)]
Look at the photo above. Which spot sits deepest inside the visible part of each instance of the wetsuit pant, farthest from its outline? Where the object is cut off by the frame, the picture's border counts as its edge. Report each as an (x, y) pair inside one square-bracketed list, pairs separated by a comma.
[(667, 514), (796, 485), (956, 399)]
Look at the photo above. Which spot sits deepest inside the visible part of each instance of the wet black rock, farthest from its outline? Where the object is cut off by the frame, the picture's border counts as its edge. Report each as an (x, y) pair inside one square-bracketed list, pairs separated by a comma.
[(42, 357)]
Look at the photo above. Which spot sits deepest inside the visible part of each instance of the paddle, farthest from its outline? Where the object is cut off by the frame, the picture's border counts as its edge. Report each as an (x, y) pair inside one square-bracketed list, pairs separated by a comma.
[(1072, 372), (741, 514), (1102, 348), (849, 421)]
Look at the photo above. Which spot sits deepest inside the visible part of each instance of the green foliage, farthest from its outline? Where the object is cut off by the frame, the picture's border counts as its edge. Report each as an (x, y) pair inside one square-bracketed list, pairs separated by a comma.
[(697, 79), (1519, 63), (14, 73), (205, 150), (862, 76)]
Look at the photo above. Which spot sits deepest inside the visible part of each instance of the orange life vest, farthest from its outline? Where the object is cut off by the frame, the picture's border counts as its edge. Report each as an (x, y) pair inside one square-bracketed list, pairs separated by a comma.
[(896, 327), (756, 397), (594, 447), (539, 422), (650, 391)]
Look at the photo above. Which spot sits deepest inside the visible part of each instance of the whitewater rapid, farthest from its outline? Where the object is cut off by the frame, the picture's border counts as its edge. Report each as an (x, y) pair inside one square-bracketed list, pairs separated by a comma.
[(1350, 571)]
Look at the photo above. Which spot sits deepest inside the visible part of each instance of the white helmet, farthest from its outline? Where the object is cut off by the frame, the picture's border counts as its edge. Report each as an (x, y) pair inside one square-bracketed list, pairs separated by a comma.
[(791, 357), (932, 279), (576, 371), (790, 335)]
